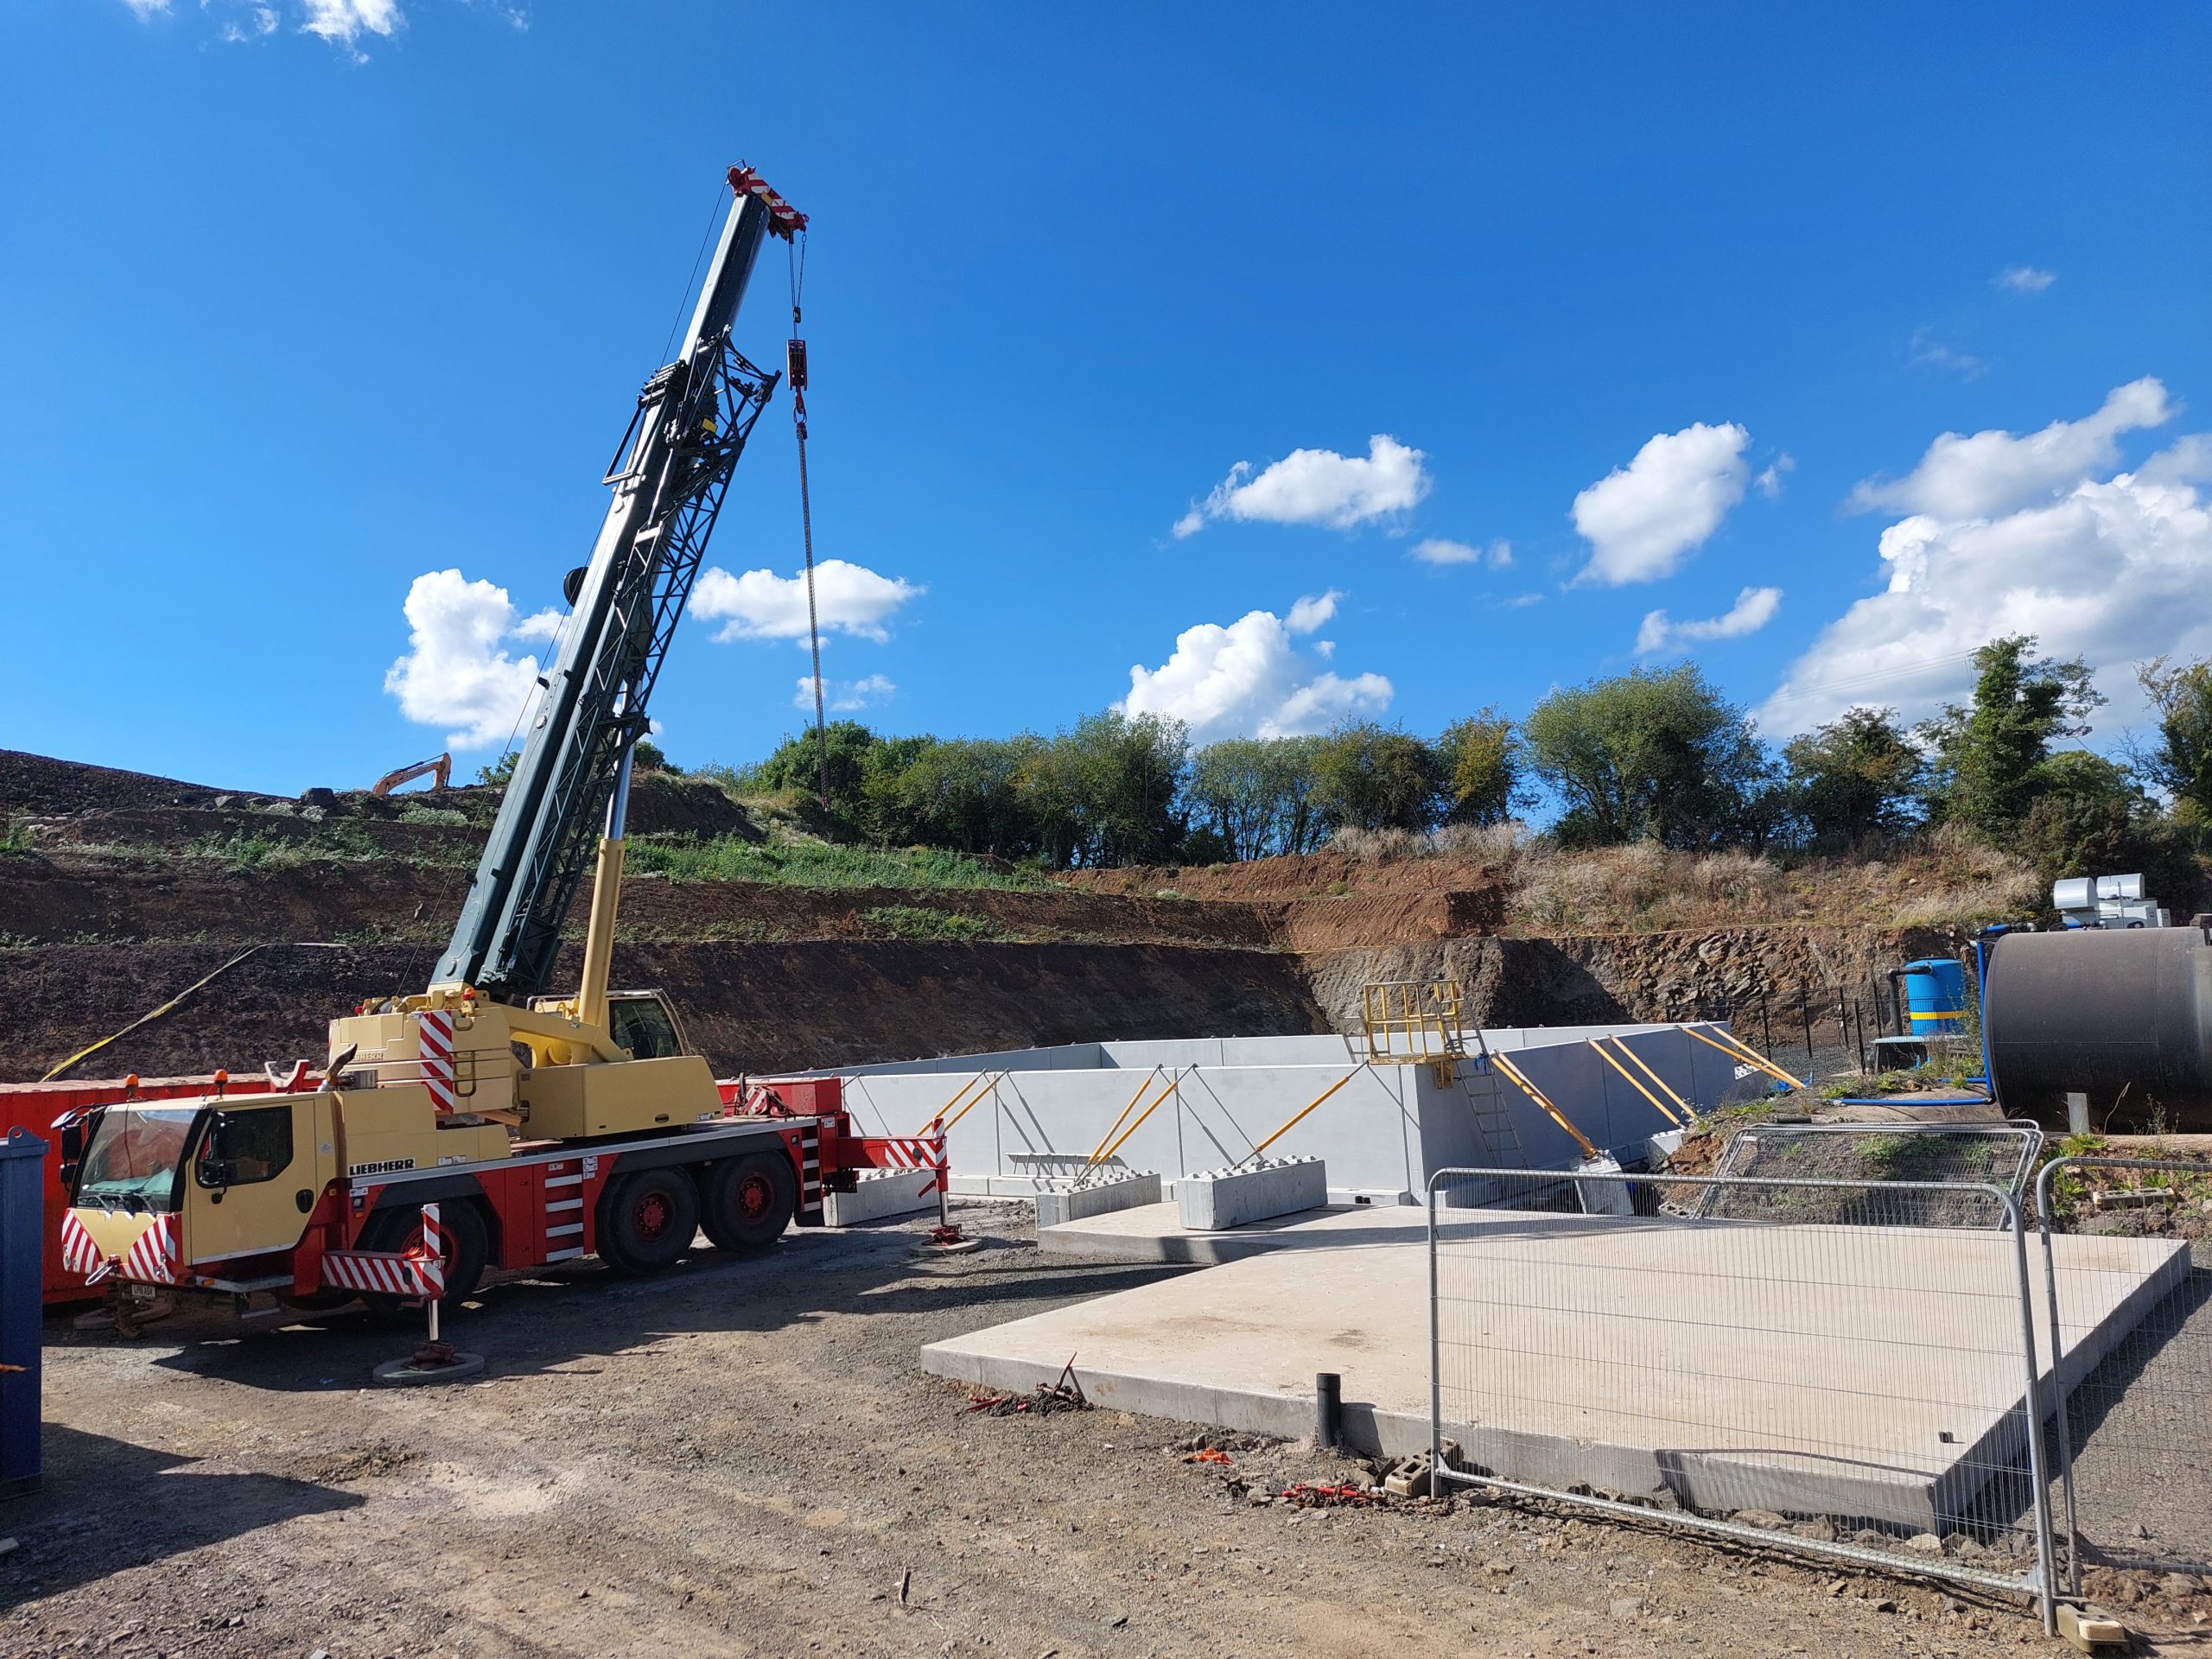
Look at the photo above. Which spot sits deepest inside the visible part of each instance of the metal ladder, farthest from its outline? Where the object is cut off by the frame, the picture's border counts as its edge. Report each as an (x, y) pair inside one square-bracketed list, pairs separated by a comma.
[(1492, 1116)]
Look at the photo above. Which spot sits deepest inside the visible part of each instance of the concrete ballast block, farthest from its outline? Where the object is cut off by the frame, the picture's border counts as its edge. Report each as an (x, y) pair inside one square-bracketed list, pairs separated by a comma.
[(880, 1196), (1075, 1203), (1605, 1198), (1230, 1198)]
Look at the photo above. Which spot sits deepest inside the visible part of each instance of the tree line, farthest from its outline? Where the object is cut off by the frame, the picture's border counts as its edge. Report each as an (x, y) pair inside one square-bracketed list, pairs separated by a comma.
[(1656, 755)]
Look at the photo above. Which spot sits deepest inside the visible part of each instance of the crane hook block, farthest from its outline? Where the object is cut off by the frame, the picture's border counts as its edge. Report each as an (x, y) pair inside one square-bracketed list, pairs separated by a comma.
[(784, 219), (795, 358)]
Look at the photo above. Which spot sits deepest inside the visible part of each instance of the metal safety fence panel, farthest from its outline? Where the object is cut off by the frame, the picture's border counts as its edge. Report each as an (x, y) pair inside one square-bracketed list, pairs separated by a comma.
[(1945, 1155), (2132, 1400), (1836, 1376)]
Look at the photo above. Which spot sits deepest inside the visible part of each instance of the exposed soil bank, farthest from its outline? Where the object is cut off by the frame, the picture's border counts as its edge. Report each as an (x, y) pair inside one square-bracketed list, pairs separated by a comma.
[(61, 900), (1691, 974), (749, 1007)]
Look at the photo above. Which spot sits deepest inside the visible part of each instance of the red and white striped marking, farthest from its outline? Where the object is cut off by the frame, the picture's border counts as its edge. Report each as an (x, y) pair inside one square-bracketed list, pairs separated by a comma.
[(79, 1255), (912, 1152), (810, 1169), (392, 1272), (434, 1043), (153, 1256), (784, 219), (430, 1266)]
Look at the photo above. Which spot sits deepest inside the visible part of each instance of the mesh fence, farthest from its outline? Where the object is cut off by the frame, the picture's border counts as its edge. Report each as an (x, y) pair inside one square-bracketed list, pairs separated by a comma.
[(1835, 1375), (1954, 1165), (2134, 1456)]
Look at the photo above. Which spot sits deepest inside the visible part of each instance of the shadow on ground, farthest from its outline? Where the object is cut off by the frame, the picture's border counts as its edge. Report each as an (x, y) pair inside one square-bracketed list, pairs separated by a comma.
[(67, 1531)]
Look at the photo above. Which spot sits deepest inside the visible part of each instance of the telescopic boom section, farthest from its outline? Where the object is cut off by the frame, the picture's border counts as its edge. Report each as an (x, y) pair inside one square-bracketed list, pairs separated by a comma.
[(671, 470)]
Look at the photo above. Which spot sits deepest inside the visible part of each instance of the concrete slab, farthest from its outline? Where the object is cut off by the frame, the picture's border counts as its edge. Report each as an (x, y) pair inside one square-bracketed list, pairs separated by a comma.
[(1232, 1197), (1844, 1379)]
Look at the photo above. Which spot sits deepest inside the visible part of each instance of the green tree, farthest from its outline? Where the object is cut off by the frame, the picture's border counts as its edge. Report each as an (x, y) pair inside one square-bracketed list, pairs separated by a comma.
[(1048, 784), (795, 765), (1127, 773), (1481, 760), (1256, 795), (1854, 778), (647, 756), (1649, 754), (2089, 817), (962, 793), (2180, 693), (1369, 776), (501, 770), (1984, 770)]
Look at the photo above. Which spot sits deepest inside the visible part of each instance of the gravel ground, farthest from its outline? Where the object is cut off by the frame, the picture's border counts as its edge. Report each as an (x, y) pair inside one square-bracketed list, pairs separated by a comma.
[(743, 1458)]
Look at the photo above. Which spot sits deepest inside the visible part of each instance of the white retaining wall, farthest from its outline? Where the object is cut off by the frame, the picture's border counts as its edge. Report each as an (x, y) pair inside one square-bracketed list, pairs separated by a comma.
[(1380, 1134)]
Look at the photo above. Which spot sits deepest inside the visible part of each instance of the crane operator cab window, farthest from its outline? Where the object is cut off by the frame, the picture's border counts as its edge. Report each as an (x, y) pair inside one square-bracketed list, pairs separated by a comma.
[(641, 1024), (242, 1147)]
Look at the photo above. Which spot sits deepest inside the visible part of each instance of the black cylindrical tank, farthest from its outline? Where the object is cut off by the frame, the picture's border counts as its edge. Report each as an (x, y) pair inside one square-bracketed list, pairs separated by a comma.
[(2123, 1015)]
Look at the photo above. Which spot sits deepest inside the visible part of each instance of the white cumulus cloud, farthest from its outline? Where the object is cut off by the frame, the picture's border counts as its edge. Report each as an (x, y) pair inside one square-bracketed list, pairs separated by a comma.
[(1250, 679), (147, 8), (843, 696), (1992, 471), (1769, 481), (2025, 279), (1641, 519), (1318, 486), (1498, 555), (2114, 570), (1311, 612), (457, 672), (761, 605), (343, 22), (1753, 609)]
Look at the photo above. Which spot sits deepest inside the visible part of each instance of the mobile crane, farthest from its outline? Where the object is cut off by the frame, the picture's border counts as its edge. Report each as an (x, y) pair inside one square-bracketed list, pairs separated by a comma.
[(545, 1127)]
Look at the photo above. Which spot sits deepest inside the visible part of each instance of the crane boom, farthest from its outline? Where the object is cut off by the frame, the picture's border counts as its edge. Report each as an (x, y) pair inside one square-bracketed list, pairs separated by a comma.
[(670, 473)]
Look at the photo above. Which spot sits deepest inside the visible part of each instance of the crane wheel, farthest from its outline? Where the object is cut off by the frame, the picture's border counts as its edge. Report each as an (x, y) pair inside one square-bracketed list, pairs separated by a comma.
[(467, 1248), (746, 1203), (647, 1219)]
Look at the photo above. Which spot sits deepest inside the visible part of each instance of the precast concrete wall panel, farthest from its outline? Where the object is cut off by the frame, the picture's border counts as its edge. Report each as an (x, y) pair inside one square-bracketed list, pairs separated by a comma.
[(1380, 1133)]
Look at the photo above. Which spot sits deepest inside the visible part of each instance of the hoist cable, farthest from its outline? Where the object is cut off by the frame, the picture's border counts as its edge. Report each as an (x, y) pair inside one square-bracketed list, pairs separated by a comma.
[(794, 359)]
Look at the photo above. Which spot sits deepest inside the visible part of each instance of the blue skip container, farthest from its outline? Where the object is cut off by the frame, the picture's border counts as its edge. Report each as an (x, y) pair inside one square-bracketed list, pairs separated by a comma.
[(1936, 997)]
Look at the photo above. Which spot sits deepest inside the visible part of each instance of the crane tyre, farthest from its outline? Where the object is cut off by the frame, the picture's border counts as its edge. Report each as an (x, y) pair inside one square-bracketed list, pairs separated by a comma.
[(746, 1203), (467, 1248), (647, 1219)]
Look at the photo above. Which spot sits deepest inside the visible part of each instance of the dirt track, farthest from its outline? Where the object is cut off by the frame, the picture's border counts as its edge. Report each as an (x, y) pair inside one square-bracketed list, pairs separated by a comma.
[(743, 1458)]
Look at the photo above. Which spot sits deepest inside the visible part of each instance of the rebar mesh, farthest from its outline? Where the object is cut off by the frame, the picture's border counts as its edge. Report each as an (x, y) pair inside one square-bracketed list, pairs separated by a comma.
[(1855, 1388), (2134, 1463)]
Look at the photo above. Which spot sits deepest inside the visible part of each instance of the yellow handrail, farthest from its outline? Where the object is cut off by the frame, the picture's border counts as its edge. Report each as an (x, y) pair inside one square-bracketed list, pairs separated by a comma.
[(1589, 1148), (1742, 1052), (1174, 1082), (1632, 1082), (1309, 1105)]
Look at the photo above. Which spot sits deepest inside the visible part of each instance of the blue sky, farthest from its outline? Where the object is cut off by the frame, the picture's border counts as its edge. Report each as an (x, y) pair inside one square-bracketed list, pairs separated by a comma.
[(362, 296)]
